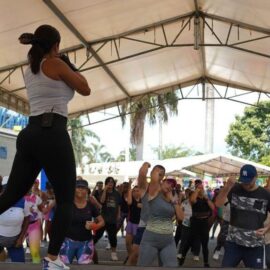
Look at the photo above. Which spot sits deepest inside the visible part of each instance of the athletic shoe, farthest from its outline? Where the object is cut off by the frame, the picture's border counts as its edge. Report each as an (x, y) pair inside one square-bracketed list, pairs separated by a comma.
[(114, 256), (179, 256), (216, 255), (108, 246), (48, 264), (196, 258)]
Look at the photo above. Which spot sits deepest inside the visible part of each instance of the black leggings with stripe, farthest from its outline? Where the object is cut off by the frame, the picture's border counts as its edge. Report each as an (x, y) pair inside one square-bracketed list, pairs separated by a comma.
[(50, 149)]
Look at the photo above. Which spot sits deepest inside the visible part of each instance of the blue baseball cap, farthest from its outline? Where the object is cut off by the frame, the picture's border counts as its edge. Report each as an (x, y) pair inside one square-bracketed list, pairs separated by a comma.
[(82, 184), (247, 174)]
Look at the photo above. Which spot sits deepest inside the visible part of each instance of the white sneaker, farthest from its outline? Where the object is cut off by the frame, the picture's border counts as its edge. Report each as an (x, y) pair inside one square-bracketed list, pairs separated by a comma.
[(108, 246), (48, 264), (179, 256), (114, 256), (196, 258), (216, 255)]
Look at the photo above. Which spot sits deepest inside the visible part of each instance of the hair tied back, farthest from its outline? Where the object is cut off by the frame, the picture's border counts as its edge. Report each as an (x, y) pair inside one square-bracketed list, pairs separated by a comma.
[(27, 38)]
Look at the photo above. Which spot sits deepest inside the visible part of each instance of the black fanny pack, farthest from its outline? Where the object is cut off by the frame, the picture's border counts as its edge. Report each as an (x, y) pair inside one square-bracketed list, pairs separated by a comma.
[(47, 119)]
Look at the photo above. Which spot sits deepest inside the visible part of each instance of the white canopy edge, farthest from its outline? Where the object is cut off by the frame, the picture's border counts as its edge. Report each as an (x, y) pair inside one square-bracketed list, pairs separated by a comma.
[(216, 165)]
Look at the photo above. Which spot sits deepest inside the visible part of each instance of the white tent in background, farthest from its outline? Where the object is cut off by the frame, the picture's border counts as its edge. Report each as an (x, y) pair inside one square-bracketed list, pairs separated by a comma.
[(222, 165), (182, 173), (215, 165)]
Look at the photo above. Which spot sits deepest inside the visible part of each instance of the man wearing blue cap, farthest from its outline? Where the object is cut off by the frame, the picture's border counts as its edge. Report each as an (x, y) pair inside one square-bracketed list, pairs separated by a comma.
[(250, 205)]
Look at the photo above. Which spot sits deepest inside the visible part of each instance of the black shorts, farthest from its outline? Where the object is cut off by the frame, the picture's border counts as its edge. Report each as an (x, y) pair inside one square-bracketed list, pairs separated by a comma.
[(138, 237)]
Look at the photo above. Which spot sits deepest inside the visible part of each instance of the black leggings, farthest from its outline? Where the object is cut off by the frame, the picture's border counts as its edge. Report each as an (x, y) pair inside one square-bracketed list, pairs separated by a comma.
[(111, 229), (50, 149), (178, 233), (198, 231)]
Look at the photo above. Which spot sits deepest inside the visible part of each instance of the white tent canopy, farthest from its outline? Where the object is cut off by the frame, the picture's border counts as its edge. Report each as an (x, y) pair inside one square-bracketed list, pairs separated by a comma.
[(127, 49), (221, 165), (215, 165), (130, 169)]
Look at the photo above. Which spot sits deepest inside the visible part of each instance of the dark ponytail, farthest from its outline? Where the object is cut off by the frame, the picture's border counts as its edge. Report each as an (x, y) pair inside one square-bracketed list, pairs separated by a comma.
[(44, 38)]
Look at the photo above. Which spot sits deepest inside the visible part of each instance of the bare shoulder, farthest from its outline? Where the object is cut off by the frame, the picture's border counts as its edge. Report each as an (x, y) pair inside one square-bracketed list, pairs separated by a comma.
[(54, 61), (53, 67)]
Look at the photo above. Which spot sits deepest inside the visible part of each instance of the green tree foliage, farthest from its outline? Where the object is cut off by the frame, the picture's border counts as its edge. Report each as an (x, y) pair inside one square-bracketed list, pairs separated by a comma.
[(265, 160), (95, 152), (171, 151), (98, 153), (78, 136), (132, 155), (249, 135)]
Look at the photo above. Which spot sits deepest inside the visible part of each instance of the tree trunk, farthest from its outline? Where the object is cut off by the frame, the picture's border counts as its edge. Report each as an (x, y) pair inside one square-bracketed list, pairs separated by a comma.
[(160, 139), (137, 131), (139, 150)]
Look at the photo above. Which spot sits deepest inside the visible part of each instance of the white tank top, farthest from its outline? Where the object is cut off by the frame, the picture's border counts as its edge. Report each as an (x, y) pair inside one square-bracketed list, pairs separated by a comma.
[(46, 94)]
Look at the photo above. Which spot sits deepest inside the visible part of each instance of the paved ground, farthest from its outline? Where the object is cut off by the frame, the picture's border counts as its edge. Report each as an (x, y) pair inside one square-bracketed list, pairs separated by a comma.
[(92, 267), (106, 263)]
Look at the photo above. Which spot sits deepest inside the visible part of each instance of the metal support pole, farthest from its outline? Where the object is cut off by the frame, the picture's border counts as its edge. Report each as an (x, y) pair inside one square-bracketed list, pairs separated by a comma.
[(209, 120)]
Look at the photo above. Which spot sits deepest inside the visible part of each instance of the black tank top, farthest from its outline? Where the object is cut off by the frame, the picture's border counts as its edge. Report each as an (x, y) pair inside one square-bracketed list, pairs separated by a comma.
[(134, 212), (124, 205), (201, 208)]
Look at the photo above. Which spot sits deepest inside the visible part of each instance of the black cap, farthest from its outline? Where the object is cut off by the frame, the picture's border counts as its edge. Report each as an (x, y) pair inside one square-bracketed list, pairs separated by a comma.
[(82, 184)]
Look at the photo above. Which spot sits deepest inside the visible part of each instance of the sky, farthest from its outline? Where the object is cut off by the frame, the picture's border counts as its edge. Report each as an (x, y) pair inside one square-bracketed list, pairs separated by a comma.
[(187, 129)]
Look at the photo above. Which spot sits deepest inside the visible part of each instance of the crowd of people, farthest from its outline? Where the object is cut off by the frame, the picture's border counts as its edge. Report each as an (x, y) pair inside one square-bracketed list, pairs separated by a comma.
[(74, 219), (149, 210)]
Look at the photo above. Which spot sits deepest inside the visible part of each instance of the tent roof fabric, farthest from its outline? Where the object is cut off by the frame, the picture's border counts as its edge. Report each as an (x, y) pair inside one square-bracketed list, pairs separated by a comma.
[(221, 165), (216, 165), (127, 49)]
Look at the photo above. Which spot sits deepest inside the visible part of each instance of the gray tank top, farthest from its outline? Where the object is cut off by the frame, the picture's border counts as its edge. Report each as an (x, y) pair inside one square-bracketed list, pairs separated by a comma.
[(46, 94), (144, 211), (160, 217)]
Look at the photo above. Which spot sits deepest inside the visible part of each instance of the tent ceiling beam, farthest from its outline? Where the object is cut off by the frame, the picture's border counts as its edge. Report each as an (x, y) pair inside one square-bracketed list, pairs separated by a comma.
[(161, 24), (236, 166), (190, 95), (8, 75), (208, 164), (236, 23), (199, 35), (85, 43), (13, 102)]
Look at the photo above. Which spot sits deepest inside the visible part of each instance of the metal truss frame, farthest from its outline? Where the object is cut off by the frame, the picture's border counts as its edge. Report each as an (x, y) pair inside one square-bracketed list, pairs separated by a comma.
[(198, 20), (196, 91)]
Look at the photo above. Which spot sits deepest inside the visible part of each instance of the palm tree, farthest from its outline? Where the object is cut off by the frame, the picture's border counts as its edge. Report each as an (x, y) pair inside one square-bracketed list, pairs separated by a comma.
[(152, 108), (78, 136), (171, 151), (106, 157), (98, 153)]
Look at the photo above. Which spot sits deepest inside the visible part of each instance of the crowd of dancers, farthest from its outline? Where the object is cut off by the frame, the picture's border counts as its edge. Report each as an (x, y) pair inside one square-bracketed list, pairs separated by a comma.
[(161, 220)]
